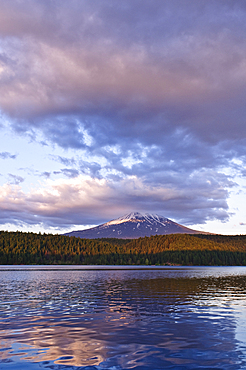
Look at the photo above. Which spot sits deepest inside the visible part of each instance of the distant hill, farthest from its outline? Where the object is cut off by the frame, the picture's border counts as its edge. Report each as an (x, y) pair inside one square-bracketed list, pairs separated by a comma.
[(183, 249), (133, 226)]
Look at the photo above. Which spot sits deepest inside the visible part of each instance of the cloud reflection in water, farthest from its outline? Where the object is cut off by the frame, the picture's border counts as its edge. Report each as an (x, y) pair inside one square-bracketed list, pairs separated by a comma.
[(122, 319)]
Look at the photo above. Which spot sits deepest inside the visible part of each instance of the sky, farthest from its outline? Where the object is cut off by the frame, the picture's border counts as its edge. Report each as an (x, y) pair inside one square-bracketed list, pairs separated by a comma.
[(109, 107)]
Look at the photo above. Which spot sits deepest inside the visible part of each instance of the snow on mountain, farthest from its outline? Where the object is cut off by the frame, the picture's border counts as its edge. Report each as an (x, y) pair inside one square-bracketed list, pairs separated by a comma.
[(132, 226), (137, 217)]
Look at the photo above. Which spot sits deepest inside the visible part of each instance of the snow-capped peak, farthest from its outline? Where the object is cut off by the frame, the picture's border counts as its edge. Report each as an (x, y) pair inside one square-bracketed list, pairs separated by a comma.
[(134, 225), (138, 217)]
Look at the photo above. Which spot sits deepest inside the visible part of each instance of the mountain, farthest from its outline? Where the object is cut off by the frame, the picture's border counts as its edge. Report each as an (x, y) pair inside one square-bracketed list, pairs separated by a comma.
[(132, 226)]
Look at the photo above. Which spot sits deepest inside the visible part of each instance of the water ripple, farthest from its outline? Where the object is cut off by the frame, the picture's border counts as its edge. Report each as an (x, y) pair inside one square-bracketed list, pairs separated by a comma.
[(123, 319)]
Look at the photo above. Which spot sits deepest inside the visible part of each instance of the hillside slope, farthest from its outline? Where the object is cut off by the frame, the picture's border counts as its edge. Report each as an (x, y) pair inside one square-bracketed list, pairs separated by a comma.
[(30, 248)]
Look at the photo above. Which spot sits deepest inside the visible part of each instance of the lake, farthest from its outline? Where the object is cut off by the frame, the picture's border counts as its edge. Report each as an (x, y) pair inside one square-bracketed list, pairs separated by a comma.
[(95, 317)]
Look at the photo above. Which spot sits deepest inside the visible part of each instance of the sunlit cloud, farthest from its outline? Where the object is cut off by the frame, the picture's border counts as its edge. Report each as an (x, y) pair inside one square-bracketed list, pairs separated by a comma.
[(147, 103), (81, 200)]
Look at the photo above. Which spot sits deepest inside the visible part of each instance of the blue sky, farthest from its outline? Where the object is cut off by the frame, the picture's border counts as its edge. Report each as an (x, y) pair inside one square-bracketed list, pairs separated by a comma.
[(111, 107)]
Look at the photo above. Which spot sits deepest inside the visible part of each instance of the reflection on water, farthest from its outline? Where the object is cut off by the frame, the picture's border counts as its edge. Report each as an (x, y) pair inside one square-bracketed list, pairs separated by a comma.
[(172, 318)]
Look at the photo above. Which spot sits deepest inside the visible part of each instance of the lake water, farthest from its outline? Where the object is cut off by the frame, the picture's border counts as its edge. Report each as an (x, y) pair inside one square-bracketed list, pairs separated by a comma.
[(116, 318)]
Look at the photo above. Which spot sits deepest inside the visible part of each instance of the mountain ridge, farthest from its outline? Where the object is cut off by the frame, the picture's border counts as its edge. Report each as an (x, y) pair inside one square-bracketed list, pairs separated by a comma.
[(133, 226)]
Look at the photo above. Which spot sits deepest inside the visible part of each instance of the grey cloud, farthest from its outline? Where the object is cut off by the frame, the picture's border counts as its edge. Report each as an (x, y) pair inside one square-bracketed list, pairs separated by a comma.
[(90, 168), (7, 155), (66, 133), (46, 174), (69, 172), (15, 179), (64, 160), (79, 166)]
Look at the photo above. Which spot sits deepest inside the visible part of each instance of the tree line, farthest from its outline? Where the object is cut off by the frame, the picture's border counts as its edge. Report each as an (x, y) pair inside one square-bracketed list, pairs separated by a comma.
[(182, 249)]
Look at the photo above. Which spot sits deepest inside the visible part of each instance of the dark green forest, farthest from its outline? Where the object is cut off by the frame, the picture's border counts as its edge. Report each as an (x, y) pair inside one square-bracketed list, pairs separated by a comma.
[(178, 249)]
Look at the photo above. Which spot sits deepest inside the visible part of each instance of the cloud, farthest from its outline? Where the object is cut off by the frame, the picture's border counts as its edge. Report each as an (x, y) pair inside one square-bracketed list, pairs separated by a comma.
[(7, 155), (46, 174), (85, 200), (124, 71), (152, 92), (14, 179), (69, 172), (64, 160), (100, 83)]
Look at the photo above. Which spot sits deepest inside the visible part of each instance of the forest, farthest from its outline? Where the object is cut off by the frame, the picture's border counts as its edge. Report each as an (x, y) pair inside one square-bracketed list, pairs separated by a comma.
[(173, 249)]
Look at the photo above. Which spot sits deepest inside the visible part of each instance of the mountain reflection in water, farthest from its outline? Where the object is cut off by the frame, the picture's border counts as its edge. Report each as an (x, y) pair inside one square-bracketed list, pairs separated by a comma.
[(123, 319)]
